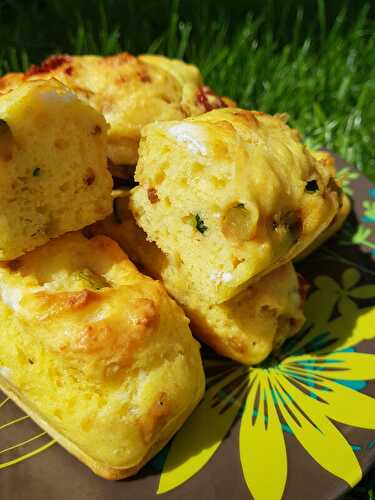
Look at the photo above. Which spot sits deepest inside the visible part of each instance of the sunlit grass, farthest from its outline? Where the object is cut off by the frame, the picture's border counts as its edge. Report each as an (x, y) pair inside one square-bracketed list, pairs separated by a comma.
[(322, 74)]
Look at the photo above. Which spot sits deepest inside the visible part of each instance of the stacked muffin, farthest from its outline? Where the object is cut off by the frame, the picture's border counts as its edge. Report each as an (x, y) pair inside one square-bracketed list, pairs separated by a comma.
[(97, 353), (228, 199)]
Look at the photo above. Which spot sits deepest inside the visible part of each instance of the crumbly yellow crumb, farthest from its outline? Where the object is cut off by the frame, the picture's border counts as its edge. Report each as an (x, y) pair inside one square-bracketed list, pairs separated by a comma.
[(245, 328), (231, 194), (53, 168)]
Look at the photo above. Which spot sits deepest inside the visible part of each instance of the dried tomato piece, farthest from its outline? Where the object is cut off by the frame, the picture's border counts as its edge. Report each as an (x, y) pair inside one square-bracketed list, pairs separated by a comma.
[(49, 64), (152, 195), (303, 288), (207, 98)]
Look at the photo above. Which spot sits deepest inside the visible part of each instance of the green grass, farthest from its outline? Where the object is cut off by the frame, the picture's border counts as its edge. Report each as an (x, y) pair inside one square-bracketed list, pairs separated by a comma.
[(314, 60)]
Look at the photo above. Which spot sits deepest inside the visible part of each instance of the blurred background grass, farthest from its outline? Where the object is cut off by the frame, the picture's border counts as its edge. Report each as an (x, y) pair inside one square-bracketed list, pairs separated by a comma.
[(313, 59)]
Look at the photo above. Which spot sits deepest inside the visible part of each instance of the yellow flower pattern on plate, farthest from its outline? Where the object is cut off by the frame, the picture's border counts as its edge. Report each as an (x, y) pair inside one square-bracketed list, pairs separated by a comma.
[(315, 378)]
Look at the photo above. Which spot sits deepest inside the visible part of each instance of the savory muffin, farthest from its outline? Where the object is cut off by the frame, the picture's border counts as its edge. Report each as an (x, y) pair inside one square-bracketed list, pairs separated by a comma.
[(334, 227), (329, 163), (247, 327), (53, 169), (231, 195), (129, 91), (96, 352)]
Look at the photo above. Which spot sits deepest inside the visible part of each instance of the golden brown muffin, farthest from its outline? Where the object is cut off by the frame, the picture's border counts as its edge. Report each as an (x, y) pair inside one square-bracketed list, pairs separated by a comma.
[(129, 91), (333, 228), (53, 168), (329, 163), (96, 353), (231, 194), (247, 327)]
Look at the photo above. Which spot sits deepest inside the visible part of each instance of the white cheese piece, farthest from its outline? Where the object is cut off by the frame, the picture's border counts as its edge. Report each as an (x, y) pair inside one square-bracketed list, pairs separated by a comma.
[(191, 135)]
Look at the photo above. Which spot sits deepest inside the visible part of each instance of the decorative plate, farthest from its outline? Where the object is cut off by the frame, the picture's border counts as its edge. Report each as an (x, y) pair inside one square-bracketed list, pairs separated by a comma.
[(301, 425)]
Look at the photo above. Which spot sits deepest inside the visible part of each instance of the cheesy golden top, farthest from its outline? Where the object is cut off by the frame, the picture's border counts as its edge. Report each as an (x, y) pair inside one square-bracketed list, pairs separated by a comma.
[(98, 351), (129, 91)]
